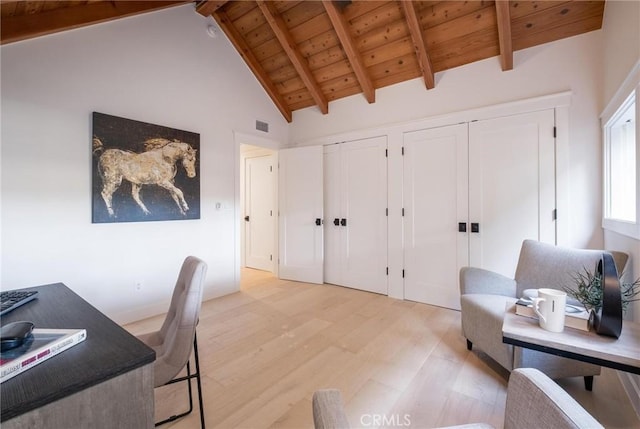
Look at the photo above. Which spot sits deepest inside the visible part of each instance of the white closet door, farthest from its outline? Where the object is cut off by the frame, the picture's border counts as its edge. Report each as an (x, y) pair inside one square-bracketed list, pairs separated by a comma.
[(259, 212), (301, 212), (435, 202), (511, 187), (356, 220), (333, 251), (364, 204)]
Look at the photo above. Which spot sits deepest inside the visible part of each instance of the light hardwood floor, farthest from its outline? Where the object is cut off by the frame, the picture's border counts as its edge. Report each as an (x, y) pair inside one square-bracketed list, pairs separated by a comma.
[(266, 349)]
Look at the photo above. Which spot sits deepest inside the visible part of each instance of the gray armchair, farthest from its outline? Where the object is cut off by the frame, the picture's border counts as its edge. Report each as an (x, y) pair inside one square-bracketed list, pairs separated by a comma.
[(534, 401), (484, 295)]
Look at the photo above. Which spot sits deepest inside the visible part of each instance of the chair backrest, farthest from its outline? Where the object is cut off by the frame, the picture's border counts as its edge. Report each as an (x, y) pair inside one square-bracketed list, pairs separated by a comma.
[(328, 410), (178, 330), (535, 401), (546, 265)]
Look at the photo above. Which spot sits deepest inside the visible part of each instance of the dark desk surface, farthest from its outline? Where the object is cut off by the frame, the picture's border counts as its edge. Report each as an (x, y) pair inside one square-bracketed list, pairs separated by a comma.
[(108, 351)]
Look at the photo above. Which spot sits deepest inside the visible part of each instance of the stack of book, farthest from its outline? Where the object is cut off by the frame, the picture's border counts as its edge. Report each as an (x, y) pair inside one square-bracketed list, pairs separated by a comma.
[(41, 345), (575, 317)]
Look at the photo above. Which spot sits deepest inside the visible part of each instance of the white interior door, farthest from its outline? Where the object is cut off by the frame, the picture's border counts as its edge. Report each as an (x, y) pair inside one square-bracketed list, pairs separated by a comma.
[(300, 187), (435, 202), (333, 245), (511, 187), (364, 220), (259, 212)]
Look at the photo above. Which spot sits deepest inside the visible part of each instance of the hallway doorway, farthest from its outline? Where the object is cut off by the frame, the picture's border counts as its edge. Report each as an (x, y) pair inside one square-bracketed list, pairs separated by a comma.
[(258, 197)]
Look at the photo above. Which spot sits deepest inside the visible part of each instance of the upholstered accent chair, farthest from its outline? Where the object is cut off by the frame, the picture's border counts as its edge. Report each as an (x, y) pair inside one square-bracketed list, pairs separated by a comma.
[(534, 401), (176, 339), (328, 410), (484, 296)]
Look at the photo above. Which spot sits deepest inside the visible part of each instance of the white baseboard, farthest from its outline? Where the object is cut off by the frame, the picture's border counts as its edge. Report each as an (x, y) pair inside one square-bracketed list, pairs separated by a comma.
[(631, 384)]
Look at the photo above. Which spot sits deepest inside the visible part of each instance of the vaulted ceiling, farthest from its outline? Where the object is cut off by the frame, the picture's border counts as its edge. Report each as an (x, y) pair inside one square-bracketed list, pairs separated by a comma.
[(309, 53)]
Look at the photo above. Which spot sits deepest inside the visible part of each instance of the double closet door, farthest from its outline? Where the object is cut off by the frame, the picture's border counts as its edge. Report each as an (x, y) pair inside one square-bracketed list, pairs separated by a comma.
[(355, 214), (472, 193)]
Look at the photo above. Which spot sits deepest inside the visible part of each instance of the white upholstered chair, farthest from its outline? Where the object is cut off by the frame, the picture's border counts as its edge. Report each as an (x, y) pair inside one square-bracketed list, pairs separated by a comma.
[(176, 339), (534, 401)]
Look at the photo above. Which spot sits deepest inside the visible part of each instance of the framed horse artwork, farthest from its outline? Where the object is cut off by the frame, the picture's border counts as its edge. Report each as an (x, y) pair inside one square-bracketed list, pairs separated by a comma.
[(143, 172)]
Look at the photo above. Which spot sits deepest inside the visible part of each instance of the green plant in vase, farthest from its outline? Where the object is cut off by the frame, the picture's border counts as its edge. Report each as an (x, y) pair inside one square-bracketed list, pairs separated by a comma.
[(588, 289)]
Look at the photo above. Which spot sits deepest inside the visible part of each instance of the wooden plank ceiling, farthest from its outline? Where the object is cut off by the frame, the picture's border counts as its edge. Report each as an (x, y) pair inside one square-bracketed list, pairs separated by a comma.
[(309, 53)]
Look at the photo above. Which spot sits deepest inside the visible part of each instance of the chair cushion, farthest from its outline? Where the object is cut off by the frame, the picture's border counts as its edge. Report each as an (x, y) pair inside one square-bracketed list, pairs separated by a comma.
[(482, 318)]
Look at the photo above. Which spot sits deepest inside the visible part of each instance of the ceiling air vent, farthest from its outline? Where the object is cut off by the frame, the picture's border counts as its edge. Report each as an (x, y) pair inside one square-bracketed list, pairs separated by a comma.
[(262, 126)]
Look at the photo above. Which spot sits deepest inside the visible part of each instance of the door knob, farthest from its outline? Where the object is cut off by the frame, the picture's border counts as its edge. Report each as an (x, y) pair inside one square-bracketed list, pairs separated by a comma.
[(246, 218), (475, 227), (462, 226), (343, 222), (318, 221), (336, 222)]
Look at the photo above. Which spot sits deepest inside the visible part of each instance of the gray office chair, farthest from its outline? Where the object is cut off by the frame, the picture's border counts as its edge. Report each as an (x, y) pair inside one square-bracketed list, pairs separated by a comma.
[(172, 343)]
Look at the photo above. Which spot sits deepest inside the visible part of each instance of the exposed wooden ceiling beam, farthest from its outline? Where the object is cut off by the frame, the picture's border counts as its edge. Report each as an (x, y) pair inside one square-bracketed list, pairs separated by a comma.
[(208, 7), (301, 65), (23, 27), (341, 28), (504, 34), (418, 43), (245, 51)]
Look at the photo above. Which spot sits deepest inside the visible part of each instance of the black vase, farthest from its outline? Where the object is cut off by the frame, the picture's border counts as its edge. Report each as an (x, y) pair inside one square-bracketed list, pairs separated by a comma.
[(608, 318)]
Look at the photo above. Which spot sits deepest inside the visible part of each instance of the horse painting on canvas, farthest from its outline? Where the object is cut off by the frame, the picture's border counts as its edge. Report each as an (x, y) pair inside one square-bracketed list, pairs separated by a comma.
[(156, 166), (158, 170)]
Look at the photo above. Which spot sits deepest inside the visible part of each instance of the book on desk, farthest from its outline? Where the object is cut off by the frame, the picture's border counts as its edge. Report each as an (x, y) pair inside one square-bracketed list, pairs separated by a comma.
[(574, 317), (41, 345)]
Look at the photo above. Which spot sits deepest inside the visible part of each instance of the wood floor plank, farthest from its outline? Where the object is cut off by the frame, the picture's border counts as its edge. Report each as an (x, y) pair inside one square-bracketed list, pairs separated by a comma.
[(267, 348), (269, 354), (264, 409), (425, 398)]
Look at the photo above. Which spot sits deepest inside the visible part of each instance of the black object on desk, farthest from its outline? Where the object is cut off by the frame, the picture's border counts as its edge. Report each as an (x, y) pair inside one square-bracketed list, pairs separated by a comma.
[(12, 299), (108, 351), (14, 334)]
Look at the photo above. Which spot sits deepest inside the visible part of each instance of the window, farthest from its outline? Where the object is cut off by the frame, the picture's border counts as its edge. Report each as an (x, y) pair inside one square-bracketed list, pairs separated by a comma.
[(620, 158), (620, 175)]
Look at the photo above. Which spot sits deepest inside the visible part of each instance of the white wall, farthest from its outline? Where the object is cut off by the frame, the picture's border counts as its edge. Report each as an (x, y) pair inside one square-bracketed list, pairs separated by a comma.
[(572, 64), (621, 47), (160, 68), (621, 52)]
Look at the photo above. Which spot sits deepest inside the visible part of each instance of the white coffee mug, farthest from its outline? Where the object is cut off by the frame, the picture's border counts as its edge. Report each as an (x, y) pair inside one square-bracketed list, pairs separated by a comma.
[(550, 306)]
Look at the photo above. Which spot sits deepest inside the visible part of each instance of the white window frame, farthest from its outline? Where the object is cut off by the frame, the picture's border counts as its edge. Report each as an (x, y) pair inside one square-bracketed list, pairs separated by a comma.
[(631, 86)]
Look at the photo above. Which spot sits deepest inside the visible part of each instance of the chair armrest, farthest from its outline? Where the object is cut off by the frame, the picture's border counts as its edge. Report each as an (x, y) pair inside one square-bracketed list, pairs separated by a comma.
[(478, 280), (536, 401), (328, 410)]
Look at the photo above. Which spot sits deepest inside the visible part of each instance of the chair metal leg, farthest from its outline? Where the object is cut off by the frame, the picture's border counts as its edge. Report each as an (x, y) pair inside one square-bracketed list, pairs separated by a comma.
[(588, 382), (198, 381), (188, 378)]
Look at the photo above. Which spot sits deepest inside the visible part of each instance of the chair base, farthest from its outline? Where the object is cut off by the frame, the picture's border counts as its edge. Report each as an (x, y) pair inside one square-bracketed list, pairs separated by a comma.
[(188, 378)]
